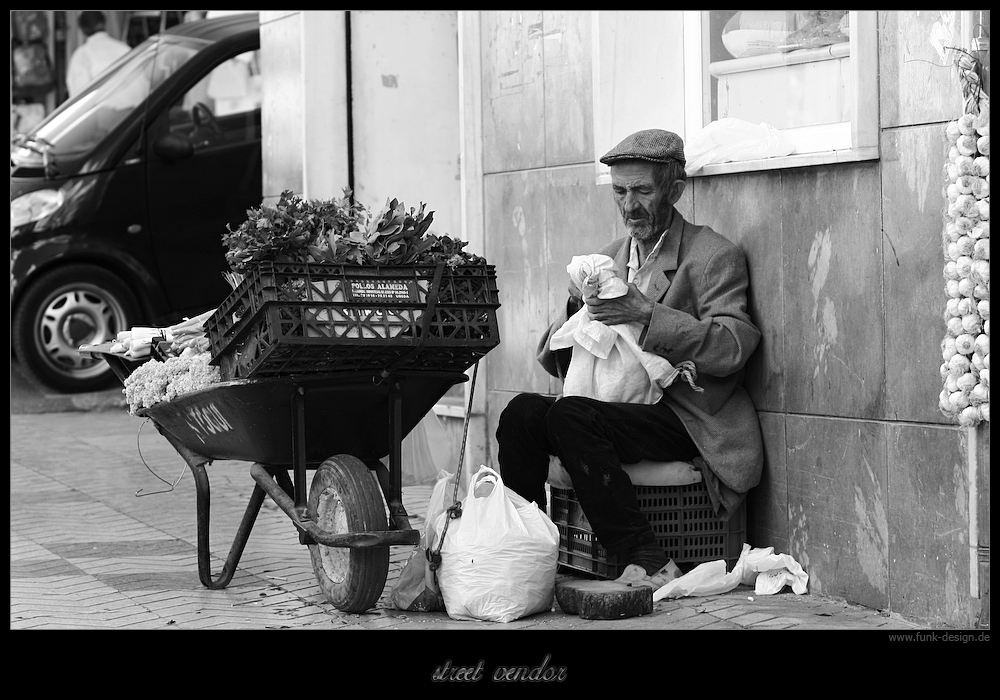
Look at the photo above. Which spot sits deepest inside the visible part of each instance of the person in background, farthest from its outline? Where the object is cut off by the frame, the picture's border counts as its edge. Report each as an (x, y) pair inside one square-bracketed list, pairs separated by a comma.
[(687, 287), (97, 52)]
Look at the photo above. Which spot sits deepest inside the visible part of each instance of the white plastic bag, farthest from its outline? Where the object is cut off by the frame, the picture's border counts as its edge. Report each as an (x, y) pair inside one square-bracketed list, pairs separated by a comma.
[(731, 139), (416, 589), (499, 559), (425, 451)]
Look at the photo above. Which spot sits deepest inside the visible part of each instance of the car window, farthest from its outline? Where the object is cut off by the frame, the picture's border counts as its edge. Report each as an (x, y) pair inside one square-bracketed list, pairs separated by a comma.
[(222, 108), (80, 123), (232, 87)]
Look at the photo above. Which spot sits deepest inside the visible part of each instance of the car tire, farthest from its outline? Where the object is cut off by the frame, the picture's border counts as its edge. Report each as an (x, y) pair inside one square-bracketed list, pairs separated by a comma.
[(66, 308)]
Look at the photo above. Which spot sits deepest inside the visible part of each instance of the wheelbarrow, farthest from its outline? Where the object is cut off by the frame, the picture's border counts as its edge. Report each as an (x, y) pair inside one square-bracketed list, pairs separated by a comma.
[(341, 426)]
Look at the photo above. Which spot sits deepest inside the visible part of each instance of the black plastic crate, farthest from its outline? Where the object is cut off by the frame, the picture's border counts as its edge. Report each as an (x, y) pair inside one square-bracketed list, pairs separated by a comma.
[(303, 318), (682, 518)]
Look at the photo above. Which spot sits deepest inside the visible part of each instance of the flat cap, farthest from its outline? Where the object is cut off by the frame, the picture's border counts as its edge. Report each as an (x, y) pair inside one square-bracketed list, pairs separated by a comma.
[(655, 145)]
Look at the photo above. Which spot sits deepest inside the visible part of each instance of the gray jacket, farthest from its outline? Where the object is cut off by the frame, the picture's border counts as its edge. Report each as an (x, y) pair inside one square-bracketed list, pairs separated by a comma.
[(701, 315)]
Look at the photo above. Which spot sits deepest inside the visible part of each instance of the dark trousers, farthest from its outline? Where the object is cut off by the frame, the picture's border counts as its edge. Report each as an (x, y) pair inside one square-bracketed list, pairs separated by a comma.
[(592, 439)]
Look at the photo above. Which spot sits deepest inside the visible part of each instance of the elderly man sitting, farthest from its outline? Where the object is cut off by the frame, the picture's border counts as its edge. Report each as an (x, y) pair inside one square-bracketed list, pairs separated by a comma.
[(687, 290)]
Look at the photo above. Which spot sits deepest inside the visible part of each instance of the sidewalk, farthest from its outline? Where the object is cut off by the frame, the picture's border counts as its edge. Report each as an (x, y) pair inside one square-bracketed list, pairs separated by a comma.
[(102, 557)]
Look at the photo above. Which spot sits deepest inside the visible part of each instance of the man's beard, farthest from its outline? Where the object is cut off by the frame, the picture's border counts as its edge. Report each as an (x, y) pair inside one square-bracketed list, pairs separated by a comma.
[(641, 232), (648, 228)]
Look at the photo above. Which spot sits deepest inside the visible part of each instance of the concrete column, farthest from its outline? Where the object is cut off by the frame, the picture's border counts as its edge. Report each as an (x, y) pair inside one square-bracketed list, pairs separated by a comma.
[(303, 56)]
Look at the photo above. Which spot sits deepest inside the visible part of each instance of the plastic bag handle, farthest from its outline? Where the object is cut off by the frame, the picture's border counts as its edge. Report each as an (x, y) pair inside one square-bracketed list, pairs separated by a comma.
[(483, 476), (489, 472)]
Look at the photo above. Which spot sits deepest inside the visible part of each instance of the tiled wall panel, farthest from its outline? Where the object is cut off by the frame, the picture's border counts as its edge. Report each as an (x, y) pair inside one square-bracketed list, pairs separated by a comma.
[(513, 90), (741, 208), (929, 554), (913, 260), (569, 126), (838, 504), (917, 82), (515, 241), (832, 301), (767, 503)]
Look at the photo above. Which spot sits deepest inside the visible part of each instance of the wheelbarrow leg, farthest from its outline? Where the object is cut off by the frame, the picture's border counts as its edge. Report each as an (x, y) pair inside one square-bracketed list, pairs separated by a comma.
[(196, 463), (391, 479), (239, 542)]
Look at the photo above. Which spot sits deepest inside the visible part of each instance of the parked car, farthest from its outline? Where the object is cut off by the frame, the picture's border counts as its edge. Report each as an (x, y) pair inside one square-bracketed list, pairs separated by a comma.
[(120, 198)]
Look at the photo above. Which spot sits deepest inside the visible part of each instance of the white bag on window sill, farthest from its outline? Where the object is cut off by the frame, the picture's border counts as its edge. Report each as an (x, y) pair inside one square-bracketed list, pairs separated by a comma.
[(731, 139), (499, 559)]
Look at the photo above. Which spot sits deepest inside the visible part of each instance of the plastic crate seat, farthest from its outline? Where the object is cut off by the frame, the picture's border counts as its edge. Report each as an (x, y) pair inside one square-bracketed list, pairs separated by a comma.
[(683, 522)]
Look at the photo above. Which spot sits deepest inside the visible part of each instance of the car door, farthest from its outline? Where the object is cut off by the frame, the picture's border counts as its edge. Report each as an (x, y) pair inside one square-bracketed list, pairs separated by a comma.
[(192, 199)]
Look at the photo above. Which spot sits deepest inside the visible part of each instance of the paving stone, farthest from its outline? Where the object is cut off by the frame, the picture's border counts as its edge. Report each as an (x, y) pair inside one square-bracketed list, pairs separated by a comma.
[(751, 619)]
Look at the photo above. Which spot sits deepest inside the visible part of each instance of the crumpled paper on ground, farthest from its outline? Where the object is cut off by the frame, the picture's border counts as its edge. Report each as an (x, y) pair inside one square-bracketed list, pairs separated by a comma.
[(761, 568)]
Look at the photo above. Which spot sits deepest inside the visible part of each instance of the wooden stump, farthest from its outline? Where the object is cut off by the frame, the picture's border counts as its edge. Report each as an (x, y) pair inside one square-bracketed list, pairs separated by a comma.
[(604, 600)]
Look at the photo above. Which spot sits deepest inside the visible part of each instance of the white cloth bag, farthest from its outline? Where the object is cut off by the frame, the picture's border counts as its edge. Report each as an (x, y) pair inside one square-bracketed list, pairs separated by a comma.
[(499, 559), (608, 364)]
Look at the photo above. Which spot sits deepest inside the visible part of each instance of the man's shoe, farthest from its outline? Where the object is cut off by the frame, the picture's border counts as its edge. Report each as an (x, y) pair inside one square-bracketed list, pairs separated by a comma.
[(634, 574), (665, 575)]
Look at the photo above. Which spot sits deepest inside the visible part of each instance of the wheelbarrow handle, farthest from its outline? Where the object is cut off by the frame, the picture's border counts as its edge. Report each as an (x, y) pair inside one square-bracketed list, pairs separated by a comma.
[(265, 481)]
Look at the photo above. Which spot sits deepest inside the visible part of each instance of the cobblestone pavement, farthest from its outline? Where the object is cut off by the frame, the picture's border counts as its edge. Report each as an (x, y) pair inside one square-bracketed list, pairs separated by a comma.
[(103, 536)]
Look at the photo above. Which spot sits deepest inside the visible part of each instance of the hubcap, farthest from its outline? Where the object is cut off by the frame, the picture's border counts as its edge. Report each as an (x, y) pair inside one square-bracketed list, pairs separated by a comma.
[(74, 317)]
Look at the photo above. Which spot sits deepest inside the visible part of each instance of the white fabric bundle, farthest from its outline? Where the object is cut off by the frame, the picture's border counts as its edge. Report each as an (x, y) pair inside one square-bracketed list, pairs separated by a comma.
[(608, 363)]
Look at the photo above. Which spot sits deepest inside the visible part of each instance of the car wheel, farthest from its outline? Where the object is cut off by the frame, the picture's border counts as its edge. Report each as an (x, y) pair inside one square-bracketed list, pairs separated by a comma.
[(69, 307)]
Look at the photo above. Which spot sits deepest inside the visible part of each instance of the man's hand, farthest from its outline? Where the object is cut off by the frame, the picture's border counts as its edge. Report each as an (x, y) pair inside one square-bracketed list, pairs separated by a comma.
[(633, 307), (575, 301)]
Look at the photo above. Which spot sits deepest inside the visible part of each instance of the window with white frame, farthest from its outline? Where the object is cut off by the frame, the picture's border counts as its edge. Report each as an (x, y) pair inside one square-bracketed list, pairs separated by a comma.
[(807, 79)]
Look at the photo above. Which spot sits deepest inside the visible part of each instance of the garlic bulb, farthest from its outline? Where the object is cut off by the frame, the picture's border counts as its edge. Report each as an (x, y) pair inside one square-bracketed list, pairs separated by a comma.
[(971, 323), (951, 385), (958, 400), (980, 273), (958, 365), (981, 344), (965, 344), (981, 166), (970, 417), (966, 382), (977, 363)]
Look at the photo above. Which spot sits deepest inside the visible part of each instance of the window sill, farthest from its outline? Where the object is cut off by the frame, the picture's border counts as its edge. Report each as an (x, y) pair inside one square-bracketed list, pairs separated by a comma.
[(801, 160), (779, 60)]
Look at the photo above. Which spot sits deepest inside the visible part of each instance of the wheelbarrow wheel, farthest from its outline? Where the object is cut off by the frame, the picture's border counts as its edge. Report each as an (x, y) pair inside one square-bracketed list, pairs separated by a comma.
[(345, 497)]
